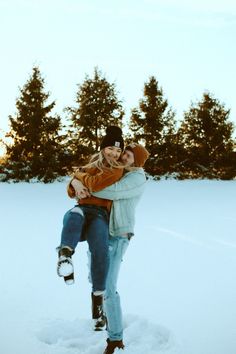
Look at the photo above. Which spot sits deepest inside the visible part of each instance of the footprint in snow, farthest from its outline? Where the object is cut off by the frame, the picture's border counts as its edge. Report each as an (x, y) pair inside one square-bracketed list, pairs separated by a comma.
[(140, 337)]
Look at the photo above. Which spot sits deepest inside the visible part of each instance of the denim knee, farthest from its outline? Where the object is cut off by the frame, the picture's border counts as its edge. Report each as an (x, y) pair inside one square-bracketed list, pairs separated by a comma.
[(72, 227), (72, 220)]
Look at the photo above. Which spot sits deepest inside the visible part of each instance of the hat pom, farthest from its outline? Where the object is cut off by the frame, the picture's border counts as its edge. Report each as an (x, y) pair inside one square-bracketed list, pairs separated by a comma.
[(114, 130)]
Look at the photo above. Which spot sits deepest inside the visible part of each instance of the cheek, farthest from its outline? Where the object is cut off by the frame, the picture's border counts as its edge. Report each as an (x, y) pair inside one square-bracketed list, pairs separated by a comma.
[(106, 154)]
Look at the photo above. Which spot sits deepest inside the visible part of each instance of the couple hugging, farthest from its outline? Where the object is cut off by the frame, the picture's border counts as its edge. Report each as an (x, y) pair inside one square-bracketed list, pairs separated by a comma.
[(107, 191)]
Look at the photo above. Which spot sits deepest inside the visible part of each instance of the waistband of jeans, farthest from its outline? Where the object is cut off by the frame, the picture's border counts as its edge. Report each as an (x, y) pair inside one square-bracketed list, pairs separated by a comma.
[(93, 206)]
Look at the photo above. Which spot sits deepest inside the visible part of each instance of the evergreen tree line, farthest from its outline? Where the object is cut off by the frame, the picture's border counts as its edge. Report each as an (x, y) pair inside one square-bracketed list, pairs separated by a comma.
[(42, 148)]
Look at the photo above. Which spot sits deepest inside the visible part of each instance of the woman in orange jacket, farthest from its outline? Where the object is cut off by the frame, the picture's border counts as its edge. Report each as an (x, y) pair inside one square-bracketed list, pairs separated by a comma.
[(89, 219)]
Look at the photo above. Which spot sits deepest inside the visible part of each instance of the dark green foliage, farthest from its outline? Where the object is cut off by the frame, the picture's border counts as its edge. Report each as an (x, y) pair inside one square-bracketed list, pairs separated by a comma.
[(35, 148), (153, 125), (203, 146), (206, 135), (97, 107)]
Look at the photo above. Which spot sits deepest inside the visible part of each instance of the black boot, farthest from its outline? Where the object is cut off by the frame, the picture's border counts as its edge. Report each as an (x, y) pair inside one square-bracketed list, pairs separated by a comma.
[(112, 345), (65, 265), (97, 312)]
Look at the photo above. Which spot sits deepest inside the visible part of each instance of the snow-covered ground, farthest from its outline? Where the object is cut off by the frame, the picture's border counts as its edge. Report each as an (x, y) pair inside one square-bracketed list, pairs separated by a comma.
[(177, 282)]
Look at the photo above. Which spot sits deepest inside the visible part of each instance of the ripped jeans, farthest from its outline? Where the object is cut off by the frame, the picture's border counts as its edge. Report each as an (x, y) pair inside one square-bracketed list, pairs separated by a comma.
[(90, 222)]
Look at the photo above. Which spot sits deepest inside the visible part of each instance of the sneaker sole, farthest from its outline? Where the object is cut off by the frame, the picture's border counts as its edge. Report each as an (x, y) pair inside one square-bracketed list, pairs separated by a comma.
[(64, 270)]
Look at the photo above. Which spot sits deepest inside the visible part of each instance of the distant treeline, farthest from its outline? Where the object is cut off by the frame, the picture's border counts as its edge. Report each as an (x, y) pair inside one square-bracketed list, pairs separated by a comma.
[(38, 146)]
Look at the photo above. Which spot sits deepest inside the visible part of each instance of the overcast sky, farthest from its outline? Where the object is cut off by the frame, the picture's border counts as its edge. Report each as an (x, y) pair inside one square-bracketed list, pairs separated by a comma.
[(189, 46)]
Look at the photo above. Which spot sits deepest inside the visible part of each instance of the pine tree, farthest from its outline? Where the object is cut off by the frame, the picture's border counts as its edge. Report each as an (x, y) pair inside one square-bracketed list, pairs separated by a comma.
[(97, 107), (34, 133), (206, 134), (153, 124)]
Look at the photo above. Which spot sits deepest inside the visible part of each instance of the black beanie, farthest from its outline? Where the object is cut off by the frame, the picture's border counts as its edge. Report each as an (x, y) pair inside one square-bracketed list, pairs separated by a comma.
[(113, 137)]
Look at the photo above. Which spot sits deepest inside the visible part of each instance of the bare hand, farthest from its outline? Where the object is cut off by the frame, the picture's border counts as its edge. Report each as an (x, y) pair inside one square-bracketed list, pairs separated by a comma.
[(82, 195), (80, 190)]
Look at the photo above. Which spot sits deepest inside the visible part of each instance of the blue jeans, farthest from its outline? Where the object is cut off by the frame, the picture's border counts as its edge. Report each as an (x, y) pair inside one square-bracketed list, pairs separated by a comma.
[(112, 307), (91, 222)]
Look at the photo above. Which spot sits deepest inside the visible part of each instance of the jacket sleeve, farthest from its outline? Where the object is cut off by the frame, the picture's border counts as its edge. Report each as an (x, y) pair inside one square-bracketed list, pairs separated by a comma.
[(129, 186), (70, 189), (100, 180)]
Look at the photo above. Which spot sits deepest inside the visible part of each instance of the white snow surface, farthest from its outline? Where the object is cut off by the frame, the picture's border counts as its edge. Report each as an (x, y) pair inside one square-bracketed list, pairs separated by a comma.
[(177, 282)]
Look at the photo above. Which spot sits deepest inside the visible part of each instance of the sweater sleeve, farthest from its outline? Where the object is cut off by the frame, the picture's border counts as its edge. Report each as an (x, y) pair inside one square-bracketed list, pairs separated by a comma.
[(101, 180), (129, 186)]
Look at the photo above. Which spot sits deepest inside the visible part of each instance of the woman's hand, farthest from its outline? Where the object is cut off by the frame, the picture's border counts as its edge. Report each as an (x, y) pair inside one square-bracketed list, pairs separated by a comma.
[(80, 190)]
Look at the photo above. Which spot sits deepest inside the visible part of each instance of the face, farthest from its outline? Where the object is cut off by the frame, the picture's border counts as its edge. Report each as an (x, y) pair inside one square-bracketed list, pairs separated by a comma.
[(128, 158), (112, 153)]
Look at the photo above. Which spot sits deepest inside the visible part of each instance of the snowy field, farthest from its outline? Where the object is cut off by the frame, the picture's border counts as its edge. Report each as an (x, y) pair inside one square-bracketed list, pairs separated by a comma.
[(177, 282)]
